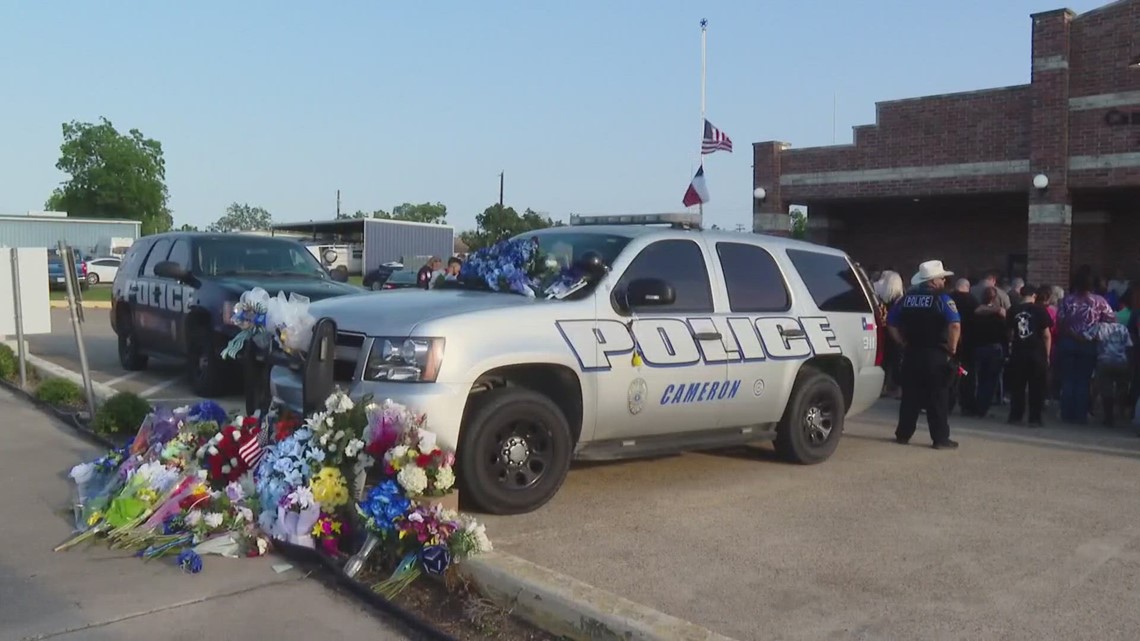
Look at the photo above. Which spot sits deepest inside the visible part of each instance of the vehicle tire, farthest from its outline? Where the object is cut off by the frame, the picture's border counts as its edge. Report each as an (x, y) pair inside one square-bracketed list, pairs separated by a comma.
[(377, 286), (92, 279), (813, 421), (130, 356), (205, 367), (514, 451)]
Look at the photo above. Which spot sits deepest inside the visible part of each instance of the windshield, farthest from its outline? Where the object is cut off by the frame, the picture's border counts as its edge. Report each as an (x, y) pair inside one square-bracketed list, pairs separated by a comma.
[(254, 255), (567, 244)]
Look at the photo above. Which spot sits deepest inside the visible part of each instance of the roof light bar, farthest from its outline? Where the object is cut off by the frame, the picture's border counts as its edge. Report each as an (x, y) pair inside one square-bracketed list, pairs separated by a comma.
[(681, 220)]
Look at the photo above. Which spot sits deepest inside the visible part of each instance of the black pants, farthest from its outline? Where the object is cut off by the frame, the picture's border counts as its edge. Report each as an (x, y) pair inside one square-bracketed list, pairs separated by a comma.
[(1032, 371), (927, 378)]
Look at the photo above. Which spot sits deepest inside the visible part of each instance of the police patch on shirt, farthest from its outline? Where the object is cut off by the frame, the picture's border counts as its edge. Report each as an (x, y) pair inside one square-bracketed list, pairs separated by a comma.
[(951, 305)]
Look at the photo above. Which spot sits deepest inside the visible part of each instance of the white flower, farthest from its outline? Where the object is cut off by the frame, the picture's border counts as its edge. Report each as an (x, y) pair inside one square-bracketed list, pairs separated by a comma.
[(427, 440), (324, 439), (213, 451), (213, 520), (416, 517), (193, 517), (329, 421), (332, 447), (316, 422), (339, 435), (226, 469), (354, 446), (444, 478), (245, 514), (339, 403), (202, 474), (262, 545), (398, 452), (413, 479), (478, 533), (236, 434), (233, 462)]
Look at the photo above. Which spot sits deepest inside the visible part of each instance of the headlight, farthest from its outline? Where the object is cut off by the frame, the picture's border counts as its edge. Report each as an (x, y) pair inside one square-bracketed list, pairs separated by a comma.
[(404, 359)]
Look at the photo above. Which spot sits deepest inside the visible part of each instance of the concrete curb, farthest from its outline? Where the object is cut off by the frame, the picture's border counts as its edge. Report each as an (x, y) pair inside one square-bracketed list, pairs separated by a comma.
[(566, 606), (48, 369), (87, 304)]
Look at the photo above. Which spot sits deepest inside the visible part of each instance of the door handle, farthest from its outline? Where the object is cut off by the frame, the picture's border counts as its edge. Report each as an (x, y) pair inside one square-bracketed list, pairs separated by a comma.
[(792, 333), (707, 336)]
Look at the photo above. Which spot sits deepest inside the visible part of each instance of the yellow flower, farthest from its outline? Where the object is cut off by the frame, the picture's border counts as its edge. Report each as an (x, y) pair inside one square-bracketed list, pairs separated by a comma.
[(329, 487), (147, 495), (95, 517)]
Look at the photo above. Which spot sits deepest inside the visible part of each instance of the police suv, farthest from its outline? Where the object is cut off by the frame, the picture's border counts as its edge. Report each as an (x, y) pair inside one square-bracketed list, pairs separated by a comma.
[(685, 340), (174, 295)]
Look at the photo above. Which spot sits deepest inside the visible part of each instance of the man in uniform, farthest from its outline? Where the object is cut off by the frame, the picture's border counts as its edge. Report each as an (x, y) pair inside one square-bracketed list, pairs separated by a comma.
[(926, 323)]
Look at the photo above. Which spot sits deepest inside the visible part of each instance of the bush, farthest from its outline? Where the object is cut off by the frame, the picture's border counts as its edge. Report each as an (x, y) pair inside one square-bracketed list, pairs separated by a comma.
[(123, 412), (9, 364), (60, 392)]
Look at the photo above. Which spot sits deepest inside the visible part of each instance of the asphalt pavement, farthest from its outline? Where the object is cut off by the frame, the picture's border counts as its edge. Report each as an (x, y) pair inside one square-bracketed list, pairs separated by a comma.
[(95, 594), (163, 381)]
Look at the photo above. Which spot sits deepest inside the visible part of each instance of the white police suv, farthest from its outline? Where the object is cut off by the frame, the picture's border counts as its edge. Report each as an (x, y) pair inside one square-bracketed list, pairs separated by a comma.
[(683, 340)]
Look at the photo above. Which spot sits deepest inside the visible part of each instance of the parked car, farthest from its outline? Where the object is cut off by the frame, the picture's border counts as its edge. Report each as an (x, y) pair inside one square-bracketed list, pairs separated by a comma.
[(680, 339), (56, 274), (376, 278), (102, 270), (175, 292), (402, 279)]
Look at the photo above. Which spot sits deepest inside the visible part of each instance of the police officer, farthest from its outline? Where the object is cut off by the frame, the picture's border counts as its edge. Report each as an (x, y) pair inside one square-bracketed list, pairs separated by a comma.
[(925, 322)]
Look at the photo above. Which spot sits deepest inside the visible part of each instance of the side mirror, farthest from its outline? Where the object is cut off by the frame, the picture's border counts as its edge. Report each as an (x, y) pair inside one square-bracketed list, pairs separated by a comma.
[(646, 292), (592, 265), (170, 269)]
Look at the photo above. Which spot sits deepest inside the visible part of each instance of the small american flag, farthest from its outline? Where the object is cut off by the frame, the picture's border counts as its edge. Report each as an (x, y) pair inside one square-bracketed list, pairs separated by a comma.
[(715, 140), (251, 451)]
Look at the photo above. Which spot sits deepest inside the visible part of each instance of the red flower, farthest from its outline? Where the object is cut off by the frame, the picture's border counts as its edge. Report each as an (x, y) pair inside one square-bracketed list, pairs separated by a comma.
[(424, 460), (249, 422), (284, 428)]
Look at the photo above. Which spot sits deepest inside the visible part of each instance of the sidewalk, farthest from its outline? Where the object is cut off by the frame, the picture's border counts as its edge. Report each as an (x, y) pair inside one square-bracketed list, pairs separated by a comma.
[(95, 594)]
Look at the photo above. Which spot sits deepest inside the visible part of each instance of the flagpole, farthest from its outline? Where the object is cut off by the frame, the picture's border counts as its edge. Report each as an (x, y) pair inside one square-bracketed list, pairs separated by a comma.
[(704, 38)]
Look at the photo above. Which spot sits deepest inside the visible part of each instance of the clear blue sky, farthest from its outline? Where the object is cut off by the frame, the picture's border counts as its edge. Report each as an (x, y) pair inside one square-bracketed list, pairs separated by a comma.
[(588, 106)]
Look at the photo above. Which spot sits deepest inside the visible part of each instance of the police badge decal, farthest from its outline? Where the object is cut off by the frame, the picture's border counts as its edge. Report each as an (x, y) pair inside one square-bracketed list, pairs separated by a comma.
[(638, 390)]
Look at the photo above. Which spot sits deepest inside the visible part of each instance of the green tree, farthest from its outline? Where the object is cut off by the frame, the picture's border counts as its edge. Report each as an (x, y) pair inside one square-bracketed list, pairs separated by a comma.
[(188, 227), (799, 223), (112, 175), (435, 213), (498, 222), (242, 217)]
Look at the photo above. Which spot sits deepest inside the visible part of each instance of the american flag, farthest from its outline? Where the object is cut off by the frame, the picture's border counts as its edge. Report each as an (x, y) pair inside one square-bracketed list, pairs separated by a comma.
[(715, 140), (251, 451)]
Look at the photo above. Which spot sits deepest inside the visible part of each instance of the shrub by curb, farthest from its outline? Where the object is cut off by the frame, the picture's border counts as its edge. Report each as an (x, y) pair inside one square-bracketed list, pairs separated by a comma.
[(122, 413), (59, 392), (9, 365)]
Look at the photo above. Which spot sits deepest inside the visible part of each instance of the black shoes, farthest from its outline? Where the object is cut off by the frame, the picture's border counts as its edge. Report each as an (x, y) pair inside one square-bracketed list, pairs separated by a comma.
[(901, 441), (945, 445)]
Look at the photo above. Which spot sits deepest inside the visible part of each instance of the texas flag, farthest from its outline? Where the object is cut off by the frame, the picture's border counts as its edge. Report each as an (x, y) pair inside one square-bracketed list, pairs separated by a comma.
[(697, 193)]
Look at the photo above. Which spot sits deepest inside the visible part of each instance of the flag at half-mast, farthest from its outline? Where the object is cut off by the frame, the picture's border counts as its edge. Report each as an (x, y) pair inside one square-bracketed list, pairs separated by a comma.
[(697, 193), (715, 140)]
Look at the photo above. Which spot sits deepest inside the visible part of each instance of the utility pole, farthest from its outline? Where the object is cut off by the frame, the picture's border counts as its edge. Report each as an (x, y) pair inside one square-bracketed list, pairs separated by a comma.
[(500, 190), (338, 203)]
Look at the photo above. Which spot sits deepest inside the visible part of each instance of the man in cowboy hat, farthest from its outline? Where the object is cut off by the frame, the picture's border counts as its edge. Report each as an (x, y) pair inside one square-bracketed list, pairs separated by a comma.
[(926, 323)]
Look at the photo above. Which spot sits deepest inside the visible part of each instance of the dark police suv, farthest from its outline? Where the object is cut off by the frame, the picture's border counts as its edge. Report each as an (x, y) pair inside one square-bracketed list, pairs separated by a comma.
[(174, 296)]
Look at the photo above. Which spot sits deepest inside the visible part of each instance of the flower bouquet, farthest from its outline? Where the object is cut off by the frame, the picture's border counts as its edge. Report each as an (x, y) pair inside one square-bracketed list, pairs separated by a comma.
[(419, 465), (516, 265), (284, 320), (251, 315)]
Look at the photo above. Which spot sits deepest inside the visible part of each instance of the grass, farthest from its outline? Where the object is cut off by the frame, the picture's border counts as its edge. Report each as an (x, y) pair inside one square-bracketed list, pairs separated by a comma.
[(356, 280), (100, 293)]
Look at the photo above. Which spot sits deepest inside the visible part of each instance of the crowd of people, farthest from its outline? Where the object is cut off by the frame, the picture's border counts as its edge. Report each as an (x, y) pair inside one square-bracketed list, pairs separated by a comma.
[(1030, 347)]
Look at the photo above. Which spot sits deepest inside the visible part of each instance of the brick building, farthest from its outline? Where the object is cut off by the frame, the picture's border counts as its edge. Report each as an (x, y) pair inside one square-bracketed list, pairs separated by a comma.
[(952, 176)]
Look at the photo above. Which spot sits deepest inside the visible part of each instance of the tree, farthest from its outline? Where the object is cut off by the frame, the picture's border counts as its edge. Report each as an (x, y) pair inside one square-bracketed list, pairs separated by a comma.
[(435, 213), (799, 223), (113, 175), (242, 218), (498, 222), (188, 227)]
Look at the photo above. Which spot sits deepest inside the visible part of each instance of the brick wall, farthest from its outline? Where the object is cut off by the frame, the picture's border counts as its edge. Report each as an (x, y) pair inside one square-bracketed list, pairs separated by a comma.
[(1103, 41)]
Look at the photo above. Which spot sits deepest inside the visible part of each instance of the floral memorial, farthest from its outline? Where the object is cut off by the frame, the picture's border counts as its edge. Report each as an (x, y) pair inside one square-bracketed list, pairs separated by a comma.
[(195, 482)]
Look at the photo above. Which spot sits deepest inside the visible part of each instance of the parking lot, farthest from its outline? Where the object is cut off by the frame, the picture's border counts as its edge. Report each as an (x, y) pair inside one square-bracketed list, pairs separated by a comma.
[(1019, 535)]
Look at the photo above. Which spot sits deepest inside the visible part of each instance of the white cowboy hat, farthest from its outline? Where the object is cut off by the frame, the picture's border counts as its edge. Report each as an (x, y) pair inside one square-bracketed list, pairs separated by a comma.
[(928, 271)]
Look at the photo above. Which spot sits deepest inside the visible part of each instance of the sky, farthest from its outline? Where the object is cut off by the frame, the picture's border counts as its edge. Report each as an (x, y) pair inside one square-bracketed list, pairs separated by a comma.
[(588, 107)]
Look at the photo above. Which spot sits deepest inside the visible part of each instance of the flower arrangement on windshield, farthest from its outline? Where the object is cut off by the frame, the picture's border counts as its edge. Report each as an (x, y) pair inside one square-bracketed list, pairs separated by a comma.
[(282, 320), (517, 265)]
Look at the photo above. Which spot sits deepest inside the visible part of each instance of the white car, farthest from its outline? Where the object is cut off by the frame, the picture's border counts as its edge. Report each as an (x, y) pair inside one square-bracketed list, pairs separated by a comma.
[(683, 340), (102, 270)]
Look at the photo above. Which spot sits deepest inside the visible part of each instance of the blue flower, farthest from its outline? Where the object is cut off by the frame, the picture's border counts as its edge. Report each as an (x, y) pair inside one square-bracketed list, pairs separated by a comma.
[(189, 561), (208, 411), (384, 504), (173, 524)]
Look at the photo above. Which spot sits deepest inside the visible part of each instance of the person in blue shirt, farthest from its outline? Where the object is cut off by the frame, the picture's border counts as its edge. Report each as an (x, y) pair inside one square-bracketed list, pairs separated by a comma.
[(925, 321)]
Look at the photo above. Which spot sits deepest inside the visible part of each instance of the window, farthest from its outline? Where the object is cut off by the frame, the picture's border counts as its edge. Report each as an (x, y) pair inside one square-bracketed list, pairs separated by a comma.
[(831, 281), (254, 255), (753, 279), (681, 263), (180, 253), (156, 256), (134, 257), (106, 262)]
